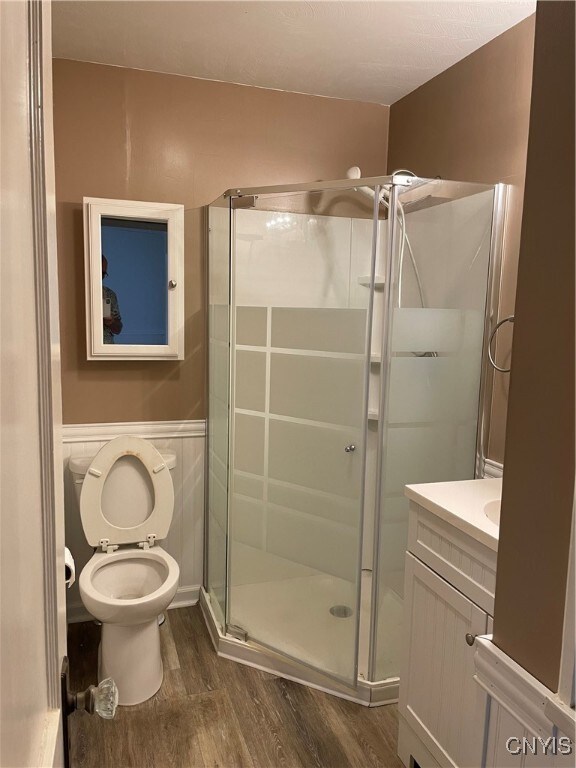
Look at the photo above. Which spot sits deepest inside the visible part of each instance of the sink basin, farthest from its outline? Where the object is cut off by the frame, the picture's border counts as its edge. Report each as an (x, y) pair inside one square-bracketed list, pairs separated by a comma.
[(492, 511)]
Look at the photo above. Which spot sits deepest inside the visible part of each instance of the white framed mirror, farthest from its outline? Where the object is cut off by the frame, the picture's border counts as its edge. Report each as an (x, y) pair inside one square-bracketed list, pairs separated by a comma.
[(134, 267)]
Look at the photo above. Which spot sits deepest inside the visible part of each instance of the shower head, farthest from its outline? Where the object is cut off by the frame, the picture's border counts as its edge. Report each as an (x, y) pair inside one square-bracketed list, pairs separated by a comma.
[(355, 173)]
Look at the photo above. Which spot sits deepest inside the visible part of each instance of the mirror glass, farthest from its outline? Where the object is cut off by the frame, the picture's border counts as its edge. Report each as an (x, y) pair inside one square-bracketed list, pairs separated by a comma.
[(134, 281)]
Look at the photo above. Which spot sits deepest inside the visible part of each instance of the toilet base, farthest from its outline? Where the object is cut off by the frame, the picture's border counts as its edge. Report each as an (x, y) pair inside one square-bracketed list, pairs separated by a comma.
[(131, 657)]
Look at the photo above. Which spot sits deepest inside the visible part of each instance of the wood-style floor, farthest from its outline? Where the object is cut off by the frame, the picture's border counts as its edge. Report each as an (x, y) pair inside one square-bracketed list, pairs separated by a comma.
[(214, 712)]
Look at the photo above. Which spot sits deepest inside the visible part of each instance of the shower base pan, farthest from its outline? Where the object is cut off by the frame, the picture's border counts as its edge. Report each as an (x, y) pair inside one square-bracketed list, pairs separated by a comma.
[(257, 656)]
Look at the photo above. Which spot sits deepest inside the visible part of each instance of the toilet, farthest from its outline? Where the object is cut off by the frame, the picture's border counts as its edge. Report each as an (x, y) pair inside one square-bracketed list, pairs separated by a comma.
[(126, 499)]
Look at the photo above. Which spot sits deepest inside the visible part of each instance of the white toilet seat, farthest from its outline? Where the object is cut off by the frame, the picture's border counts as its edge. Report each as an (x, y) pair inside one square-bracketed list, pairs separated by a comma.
[(96, 526), (122, 610)]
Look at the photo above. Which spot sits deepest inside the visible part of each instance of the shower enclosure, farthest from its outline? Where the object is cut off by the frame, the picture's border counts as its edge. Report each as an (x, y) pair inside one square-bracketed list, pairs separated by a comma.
[(348, 323)]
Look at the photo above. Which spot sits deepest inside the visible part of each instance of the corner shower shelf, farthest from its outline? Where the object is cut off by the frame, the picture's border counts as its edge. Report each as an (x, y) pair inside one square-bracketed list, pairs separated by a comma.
[(373, 415), (379, 281), (375, 359)]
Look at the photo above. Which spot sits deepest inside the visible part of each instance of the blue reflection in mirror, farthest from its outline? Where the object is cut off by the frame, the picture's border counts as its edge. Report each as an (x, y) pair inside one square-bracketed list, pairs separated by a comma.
[(134, 281)]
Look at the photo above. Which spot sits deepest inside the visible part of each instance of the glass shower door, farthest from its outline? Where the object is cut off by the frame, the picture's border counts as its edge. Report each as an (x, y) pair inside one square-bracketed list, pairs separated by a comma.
[(300, 338)]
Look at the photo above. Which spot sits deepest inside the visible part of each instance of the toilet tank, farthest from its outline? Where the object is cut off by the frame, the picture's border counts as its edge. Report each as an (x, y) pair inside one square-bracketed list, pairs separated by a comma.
[(127, 483)]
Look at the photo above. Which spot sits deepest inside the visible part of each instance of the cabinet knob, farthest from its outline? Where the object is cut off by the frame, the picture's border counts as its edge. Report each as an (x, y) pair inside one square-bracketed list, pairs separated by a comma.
[(470, 638)]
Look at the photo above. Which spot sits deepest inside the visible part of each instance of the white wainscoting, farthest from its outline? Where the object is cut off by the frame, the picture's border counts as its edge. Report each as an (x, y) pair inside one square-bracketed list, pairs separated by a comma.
[(185, 542)]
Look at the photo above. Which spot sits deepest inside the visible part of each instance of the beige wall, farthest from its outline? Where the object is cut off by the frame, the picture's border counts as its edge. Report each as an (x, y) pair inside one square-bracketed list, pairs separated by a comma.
[(538, 486), (471, 123), (124, 133)]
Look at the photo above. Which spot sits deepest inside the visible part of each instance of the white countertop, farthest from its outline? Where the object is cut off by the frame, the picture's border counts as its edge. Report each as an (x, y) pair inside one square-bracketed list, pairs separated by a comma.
[(461, 503)]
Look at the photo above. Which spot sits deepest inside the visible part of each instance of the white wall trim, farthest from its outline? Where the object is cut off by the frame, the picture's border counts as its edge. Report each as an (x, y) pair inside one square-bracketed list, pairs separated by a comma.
[(95, 433), (517, 691), (185, 596), (493, 468), (51, 752)]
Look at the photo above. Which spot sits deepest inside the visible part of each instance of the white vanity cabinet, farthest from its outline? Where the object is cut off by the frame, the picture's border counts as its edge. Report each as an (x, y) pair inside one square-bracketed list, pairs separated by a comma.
[(449, 594)]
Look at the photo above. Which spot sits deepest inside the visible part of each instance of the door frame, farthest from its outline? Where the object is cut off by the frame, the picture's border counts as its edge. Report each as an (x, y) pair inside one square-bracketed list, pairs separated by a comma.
[(41, 148)]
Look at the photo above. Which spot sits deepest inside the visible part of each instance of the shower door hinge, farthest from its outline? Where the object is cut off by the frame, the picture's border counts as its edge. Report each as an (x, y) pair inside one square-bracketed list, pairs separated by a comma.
[(246, 201), (237, 632)]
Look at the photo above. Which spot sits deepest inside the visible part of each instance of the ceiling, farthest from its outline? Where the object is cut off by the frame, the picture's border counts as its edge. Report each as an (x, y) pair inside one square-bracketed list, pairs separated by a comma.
[(368, 51)]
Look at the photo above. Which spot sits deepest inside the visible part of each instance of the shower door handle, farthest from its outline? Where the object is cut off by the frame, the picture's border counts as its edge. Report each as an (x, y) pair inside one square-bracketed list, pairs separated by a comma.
[(350, 448)]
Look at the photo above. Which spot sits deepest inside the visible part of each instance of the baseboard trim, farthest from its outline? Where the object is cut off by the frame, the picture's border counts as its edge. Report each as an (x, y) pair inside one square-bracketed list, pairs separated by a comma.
[(253, 655), (76, 612), (51, 751), (186, 596), (149, 430), (382, 692)]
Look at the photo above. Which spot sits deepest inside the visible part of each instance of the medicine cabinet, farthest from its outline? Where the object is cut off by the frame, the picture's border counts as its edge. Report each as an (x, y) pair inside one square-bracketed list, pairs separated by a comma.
[(134, 267)]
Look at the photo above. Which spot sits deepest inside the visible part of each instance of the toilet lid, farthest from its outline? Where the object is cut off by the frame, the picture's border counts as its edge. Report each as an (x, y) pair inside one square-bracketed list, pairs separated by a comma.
[(96, 525)]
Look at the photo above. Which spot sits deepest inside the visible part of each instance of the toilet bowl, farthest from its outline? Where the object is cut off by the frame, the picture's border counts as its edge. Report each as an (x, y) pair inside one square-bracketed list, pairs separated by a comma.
[(126, 505)]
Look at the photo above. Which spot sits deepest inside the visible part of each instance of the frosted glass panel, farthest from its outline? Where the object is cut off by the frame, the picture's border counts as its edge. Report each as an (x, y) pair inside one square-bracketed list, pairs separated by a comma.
[(418, 329), (329, 505), (316, 548), (250, 380), (328, 330), (316, 388), (249, 486), (249, 443), (421, 389), (219, 316), (420, 454), (435, 336), (251, 326), (313, 457), (248, 521)]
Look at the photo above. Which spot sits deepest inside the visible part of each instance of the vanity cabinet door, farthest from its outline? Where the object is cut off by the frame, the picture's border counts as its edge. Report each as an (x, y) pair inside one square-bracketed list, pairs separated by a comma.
[(438, 696)]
